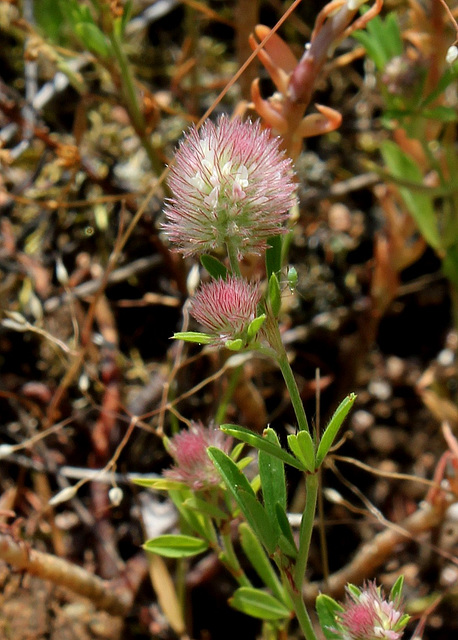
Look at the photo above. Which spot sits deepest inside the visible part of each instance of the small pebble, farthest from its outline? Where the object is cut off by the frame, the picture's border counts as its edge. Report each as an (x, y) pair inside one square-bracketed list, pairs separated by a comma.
[(395, 367), (446, 357), (362, 421), (380, 389)]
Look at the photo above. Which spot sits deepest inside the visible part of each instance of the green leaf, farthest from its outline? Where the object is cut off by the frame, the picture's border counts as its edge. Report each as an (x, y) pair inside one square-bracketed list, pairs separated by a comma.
[(258, 520), (419, 205), (255, 325), (204, 507), (193, 336), (121, 23), (327, 609), (49, 17), (286, 540), (261, 563), (237, 452), (333, 427), (450, 75), (244, 496), (159, 484), (396, 590), (273, 255), (92, 38), (440, 113), (273, 483), (274, 295), (214, 267), (259, 604), (176, 546), (381, 39), (234, 345), (303, 448), (198, 522), (262, 444), (354, 590)]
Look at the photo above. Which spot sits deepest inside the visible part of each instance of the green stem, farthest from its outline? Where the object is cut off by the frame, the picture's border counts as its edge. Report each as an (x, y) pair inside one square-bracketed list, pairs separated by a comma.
[(232, 254), (308, 517), (131, 102), (273, 336), (293, 390), (302, 615), (230, 560)]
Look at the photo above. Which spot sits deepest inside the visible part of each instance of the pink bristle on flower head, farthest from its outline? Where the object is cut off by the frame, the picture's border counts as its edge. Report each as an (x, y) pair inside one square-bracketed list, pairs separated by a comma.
[(225, 308), (230, 183), (189, 450)]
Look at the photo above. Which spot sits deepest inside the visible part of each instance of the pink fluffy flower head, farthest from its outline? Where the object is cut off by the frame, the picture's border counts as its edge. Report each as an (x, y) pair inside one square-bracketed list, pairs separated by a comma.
[(189, 451), (369, 616), (230, 184), (225, 308)]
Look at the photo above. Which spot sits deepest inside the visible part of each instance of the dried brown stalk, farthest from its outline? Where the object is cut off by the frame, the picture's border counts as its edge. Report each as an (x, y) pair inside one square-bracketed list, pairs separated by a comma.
[(64, 573)]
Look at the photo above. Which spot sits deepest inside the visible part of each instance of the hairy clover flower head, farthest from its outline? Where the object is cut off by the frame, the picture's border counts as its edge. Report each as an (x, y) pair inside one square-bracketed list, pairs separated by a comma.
[(189, 450), (230, 183), (369, 616), (225, 308)]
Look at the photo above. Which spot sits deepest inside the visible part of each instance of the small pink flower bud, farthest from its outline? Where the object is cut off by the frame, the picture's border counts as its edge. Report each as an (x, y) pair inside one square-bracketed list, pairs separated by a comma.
[(225, 308), (189, 451), (230, 183), (369, 616)]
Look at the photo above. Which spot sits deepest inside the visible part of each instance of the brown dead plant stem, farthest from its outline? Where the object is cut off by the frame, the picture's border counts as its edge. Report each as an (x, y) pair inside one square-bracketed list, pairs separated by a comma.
[(63, 573)]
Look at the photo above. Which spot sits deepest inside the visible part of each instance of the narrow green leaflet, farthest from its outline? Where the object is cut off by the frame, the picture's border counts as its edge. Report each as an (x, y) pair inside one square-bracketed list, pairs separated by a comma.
[(159, 484), (327, 609), (274, 295), (176, 546), (450, 75), (259, 521), (214, 267), (193, 336), (286, 540), (255, 325), (259, 604), (205, 507), (333, 427), (262, 444), (273, 255), (261, 563), (199, 523), (301, 444), (420, 205), (244, 496), (396, 590), (230, 473), (92, 38), (273, 483), (381, 39)]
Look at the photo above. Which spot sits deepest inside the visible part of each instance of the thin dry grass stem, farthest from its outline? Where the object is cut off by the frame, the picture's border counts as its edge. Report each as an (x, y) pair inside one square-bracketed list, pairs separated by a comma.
[(386, 474), (295, 80), (26, 444), (85, 343), (63, 573), (179, 350), (70, 492), (236, 76), (374, 553), (452, 18), (53, 204)]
